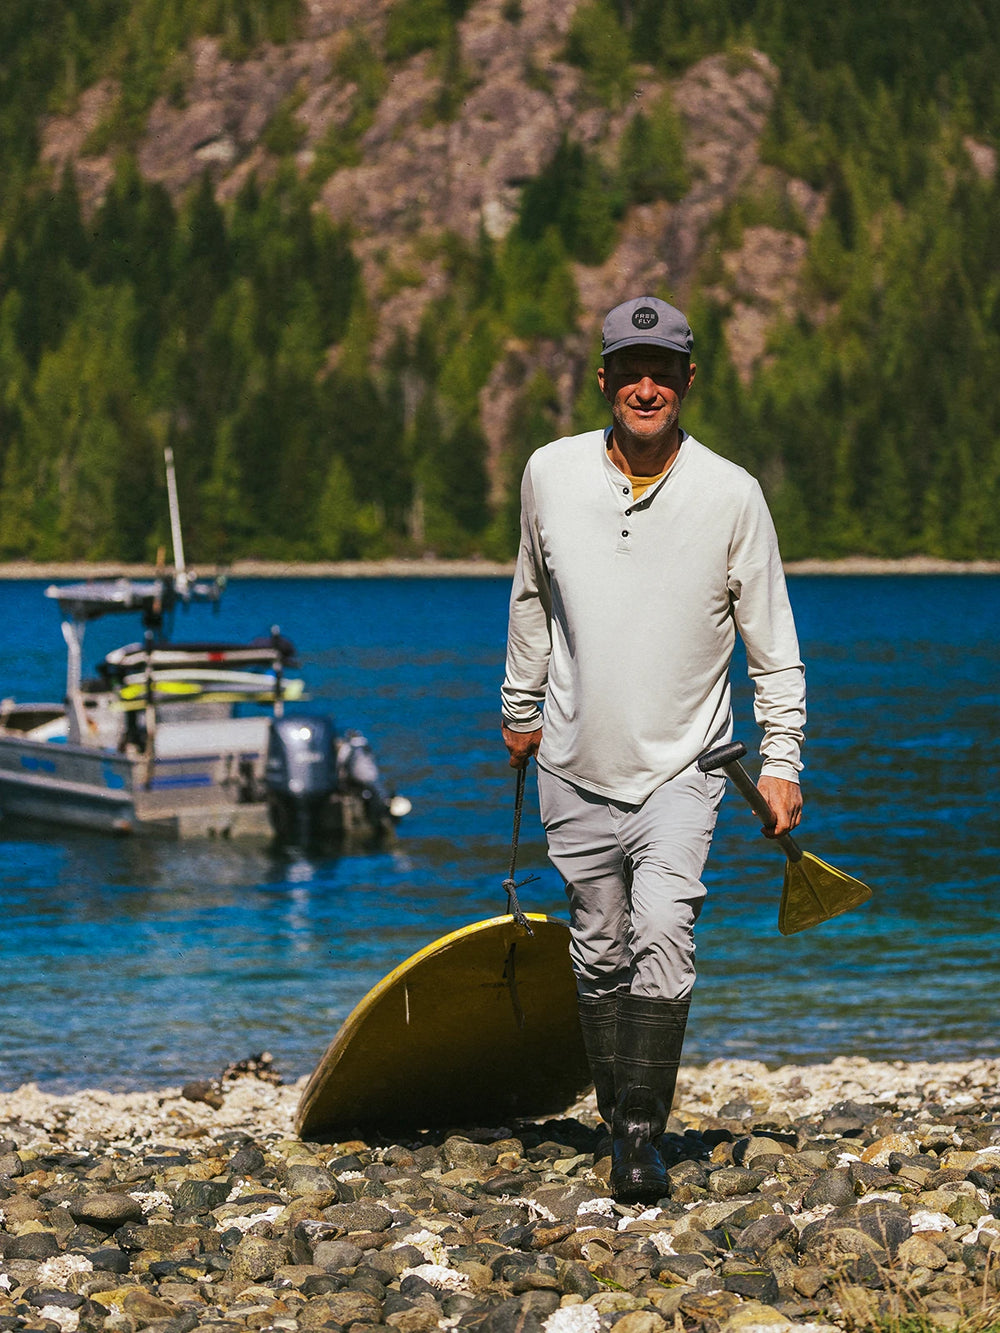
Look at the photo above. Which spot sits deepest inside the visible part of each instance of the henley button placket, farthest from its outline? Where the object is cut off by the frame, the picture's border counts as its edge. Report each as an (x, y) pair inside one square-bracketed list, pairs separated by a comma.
[(624, 547)]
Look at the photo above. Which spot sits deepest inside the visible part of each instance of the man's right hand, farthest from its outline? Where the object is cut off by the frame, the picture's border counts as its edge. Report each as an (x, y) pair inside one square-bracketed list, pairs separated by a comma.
[(521, 745)]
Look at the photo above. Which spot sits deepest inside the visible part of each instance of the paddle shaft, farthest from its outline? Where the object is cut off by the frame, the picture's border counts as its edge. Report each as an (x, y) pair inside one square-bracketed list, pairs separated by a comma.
[(727, 757)]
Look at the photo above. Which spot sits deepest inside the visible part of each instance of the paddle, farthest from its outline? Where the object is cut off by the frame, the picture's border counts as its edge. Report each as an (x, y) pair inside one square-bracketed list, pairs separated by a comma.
[(813, 891)]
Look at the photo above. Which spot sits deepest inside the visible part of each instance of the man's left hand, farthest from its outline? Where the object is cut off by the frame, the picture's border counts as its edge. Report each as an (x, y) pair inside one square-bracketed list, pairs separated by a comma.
[(785, 799)]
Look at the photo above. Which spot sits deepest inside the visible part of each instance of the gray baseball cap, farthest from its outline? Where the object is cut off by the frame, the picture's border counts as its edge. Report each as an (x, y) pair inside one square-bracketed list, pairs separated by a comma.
[(645, 321)]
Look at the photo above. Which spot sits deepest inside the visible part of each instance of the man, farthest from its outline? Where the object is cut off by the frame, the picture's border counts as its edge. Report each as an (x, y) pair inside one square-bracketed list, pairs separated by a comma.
[(642, 553)]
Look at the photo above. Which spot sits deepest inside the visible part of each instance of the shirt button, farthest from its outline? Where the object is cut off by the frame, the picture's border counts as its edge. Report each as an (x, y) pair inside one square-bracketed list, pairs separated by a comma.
[(624, 490), (627, 512), (625, 533)]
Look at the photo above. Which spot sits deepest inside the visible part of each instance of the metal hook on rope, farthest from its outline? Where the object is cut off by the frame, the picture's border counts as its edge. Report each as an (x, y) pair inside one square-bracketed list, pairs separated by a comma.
[(510, 884)]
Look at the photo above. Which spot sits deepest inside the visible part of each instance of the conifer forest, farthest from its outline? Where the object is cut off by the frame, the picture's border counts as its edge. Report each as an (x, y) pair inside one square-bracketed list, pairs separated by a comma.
[(240, 330)]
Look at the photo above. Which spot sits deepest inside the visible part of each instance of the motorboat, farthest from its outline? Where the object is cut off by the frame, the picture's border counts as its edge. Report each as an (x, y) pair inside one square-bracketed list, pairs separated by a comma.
[(187, 739)]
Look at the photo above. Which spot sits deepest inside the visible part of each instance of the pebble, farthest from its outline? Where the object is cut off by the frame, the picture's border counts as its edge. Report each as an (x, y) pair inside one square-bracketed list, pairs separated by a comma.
[(802, 1200)]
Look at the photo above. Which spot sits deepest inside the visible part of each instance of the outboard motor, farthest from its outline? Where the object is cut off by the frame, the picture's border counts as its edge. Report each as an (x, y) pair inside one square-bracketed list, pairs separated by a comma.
[(358, 773), (300, 776)]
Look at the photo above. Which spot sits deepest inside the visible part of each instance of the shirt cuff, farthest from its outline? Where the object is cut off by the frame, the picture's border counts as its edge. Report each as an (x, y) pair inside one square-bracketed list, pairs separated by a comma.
[(777, 768), (521, 724)]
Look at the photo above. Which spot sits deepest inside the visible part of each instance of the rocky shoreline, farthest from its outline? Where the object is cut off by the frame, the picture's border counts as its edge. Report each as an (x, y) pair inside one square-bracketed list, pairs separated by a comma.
[(850, 1195)]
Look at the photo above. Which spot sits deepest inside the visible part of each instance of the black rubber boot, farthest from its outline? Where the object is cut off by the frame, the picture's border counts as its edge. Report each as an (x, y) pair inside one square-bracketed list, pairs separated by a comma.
[(598, 1024), (648, 1043)]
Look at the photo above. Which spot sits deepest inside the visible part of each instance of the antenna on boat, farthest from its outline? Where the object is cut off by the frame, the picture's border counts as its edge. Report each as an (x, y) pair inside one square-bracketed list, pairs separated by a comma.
[(177, 541)]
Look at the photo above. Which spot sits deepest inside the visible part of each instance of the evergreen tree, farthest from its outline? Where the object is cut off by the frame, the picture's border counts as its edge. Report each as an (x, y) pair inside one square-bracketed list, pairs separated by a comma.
[(598, 45), (652, 155), (534, 422), (133, 241), (342, 524), (575, 196), (203, 257), (15, 376), (43, 254), (82, 423), (539, 293)]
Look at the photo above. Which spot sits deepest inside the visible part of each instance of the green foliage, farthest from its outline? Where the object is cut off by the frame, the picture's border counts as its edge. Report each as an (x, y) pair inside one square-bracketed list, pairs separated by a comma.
[(347, 529), (652, 157), (576, 197), (455, 80), (285, 132), (799, 146), (716, 410), (421, 25), (598, 45), (770, 206), (590, 407), (43, 256), (142, 45), (48, 53), (206, 330), (450, 480), (15, 376), (465, 365), (416, 25), (539, 298), (534, 421), (241, 336), (357, 64), (80, 427), (674, 36), (880, 427)]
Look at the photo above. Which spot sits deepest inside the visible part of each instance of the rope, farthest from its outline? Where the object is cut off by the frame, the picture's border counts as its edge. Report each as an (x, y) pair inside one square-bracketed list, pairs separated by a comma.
[(510, 884)]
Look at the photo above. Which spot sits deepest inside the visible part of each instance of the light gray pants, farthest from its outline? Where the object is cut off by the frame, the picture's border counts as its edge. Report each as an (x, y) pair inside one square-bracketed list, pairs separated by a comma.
[(633, 880)]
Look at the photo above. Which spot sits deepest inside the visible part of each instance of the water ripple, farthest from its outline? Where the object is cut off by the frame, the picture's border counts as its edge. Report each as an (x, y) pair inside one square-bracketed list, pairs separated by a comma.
[(132, 964)]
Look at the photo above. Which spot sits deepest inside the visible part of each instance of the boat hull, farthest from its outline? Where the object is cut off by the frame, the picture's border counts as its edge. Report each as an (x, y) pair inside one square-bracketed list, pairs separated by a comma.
[(210, 795), (66, 784)]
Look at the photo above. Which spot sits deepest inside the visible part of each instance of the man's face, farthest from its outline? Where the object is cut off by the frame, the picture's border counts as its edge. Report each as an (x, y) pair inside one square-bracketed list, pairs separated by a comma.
[(645, 387)]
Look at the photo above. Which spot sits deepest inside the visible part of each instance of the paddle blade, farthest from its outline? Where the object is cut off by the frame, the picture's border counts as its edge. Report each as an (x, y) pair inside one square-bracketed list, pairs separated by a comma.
[(814, 892)]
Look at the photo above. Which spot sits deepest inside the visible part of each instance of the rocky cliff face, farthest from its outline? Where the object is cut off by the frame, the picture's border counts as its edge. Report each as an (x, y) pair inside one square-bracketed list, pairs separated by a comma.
[(418, 175)]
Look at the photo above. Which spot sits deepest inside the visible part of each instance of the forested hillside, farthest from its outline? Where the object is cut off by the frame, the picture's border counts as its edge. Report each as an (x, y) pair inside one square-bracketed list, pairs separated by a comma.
[(350, 259)]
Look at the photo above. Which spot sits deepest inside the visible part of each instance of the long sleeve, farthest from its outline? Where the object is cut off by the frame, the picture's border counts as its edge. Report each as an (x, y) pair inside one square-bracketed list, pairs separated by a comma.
[(624, 613), (763, 617), (529, 632)]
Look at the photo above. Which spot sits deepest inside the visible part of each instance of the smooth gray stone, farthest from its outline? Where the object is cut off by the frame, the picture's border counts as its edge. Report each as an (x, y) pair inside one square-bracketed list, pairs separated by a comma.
[(201, 1196), (335, 1255), (107, 1211), (34, 1245), (830, 1187), (307, 1178)]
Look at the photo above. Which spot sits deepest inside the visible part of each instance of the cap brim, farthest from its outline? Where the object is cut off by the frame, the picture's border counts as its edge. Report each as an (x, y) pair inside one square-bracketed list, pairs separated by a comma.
[(645, 342)]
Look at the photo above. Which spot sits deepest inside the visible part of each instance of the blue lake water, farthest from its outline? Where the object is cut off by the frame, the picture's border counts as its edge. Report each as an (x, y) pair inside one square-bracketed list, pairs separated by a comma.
[(132, 964)]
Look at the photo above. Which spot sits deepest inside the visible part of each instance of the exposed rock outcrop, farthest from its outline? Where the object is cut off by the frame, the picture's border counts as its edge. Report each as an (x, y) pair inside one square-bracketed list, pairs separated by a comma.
[(419, 172)]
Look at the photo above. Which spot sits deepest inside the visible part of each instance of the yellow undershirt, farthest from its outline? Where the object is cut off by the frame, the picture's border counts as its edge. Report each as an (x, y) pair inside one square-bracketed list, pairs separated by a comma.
[(640, 485)]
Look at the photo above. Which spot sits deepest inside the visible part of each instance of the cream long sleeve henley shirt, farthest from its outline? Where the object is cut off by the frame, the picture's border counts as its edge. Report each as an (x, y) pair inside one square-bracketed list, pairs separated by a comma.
[(624, 613)]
